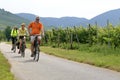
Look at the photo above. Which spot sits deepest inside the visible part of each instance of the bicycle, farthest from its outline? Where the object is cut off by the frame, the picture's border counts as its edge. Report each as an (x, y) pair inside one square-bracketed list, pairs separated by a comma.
[(36, 50), (23, 46)]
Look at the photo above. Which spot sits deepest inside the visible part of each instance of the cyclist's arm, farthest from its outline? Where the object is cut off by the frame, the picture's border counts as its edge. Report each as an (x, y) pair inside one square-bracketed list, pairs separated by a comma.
[(11, 32), (42, 31)]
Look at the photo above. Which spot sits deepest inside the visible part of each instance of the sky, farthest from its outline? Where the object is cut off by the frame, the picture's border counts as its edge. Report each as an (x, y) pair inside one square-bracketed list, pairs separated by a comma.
[(60, 8)]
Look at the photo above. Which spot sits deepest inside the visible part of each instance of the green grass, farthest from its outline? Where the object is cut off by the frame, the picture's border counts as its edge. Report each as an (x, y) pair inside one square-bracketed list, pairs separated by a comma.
[(110, 61), (5, 73)]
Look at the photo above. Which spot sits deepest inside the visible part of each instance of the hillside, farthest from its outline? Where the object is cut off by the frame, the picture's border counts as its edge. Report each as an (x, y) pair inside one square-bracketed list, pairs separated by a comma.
[(113, 16), (55, 22), (9, 19)]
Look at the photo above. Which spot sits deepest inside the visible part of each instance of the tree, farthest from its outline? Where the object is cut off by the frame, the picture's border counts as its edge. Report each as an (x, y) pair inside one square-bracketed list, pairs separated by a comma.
[(7, 32), (2, 35)]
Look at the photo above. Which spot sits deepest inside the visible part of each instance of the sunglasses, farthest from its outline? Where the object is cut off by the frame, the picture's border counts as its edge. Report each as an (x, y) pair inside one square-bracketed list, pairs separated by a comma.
[(37, 19)]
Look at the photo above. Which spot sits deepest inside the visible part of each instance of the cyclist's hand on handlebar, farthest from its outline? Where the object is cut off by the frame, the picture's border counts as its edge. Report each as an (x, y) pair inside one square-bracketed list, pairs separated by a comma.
[(30, 34), (43, 35)]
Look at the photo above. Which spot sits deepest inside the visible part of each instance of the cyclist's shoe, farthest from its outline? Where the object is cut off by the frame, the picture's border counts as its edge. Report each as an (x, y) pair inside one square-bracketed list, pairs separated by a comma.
[(17, 46), (12, 48), (19, 52), (32, 55)]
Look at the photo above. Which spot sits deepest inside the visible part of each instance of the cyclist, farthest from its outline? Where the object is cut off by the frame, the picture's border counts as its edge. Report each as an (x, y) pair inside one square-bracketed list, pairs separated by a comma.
[(14, 34), (22, 32), (35, 28)]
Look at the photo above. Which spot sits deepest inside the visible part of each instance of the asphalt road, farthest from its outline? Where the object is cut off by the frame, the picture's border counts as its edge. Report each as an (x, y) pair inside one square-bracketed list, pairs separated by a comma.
[(53, 68)]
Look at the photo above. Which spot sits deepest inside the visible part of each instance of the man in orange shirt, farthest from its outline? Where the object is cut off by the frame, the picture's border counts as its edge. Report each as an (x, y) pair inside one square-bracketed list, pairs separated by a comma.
[(35, 28)]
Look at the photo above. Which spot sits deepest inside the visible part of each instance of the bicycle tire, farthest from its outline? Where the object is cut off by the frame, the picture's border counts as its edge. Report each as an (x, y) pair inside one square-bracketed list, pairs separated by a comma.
[(14, 48), (22, 50), (36, 55), (23, 54)]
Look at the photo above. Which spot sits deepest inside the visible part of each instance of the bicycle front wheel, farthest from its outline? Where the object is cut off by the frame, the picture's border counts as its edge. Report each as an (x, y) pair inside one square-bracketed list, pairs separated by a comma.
[(23, 54), (23, 50), (36, 55)]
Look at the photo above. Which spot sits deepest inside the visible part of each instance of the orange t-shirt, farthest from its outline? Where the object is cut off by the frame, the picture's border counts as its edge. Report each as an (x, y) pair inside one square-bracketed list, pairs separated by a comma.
[(36, 27)]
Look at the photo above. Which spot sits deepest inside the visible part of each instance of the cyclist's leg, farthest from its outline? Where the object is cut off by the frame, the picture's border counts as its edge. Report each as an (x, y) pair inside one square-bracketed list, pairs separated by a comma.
[(20, 43), (13, 41), (25, 41), (39, 39), (32, 45), (32, 48), (39, 42), (21, 37), (17, 42)]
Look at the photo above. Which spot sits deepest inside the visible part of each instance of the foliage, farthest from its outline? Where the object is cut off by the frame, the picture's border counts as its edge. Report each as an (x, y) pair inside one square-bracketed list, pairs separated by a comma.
[(7, 32), (91, 35), (2, 35)]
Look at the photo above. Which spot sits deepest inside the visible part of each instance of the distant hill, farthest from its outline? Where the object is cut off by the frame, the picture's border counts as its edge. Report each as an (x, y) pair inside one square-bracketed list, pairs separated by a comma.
[(55, 22), (113, 16), (9, 19), (28, 16)]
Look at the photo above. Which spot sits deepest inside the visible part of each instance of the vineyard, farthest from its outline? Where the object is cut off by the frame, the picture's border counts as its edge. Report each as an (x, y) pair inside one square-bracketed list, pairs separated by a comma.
[(96, 45), (84, 38), (91, 38)]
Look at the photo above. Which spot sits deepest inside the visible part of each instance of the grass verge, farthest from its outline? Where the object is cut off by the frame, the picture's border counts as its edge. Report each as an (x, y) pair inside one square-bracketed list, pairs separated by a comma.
[(5, 73), (110, 61)]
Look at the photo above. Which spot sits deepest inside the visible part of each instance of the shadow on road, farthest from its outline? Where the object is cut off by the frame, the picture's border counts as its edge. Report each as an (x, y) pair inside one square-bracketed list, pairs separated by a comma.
[(26, 61), (16, 57), (10, 52)]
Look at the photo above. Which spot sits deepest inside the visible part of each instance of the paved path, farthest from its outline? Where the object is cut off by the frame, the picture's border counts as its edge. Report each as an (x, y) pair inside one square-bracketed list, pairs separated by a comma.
[(53, 68)]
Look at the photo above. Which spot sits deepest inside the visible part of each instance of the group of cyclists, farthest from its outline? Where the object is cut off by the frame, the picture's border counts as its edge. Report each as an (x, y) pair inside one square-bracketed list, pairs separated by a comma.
[(33, 29)]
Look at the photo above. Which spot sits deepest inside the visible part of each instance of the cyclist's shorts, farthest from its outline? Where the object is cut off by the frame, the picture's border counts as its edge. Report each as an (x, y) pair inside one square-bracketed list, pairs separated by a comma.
[(33, 38), (21, 37)]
